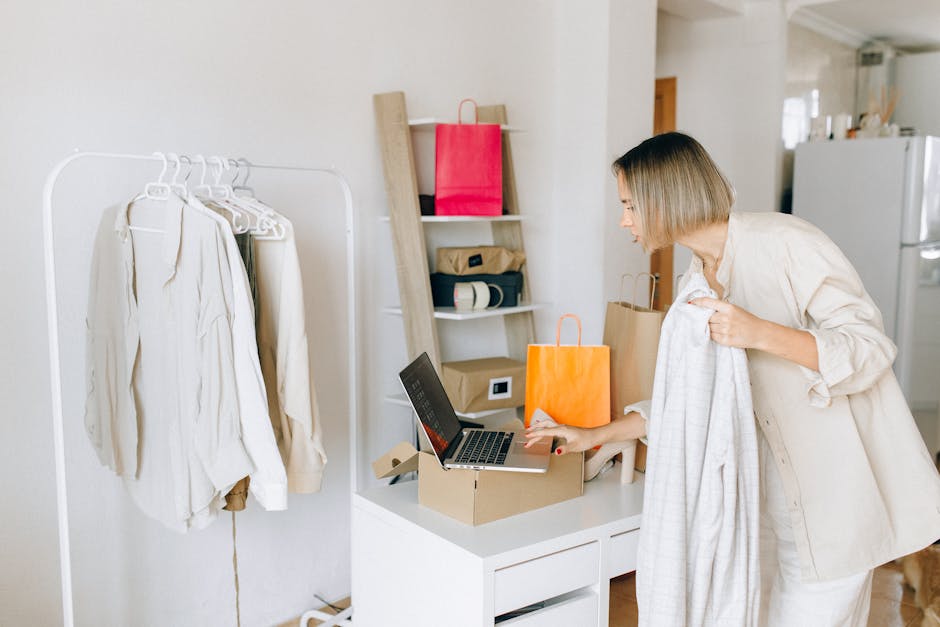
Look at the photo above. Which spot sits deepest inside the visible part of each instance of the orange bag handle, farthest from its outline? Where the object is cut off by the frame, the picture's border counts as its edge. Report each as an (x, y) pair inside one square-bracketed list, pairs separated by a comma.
[(476, 113), (558, 331)]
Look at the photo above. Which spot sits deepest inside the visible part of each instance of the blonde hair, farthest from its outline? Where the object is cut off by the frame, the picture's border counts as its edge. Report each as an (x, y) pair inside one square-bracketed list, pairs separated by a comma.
[(676, 187)]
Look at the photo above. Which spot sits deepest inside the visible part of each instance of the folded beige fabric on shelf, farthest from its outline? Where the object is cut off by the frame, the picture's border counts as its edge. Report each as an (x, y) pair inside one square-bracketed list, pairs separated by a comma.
[(468, 260)]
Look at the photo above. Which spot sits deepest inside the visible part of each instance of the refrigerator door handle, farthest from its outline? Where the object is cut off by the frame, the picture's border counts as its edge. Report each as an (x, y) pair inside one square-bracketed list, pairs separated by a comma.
[(930, 244)]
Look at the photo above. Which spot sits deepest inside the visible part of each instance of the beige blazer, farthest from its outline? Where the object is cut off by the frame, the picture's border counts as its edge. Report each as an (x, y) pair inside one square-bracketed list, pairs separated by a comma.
[(861, 486), (285, 362)]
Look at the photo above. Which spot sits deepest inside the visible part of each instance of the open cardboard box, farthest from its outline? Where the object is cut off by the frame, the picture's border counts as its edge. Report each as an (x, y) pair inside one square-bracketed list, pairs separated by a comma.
[(475, 497)]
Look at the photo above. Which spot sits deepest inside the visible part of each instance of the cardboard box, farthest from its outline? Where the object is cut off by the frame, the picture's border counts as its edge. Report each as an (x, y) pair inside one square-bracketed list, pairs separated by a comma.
[(483, 384), (475, 497)]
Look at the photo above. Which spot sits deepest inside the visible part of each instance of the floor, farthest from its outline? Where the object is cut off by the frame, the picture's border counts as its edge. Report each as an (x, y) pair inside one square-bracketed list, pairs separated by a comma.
[(892, 602)]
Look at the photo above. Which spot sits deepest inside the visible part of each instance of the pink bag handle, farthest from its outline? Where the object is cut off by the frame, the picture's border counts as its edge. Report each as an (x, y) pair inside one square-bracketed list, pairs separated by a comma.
[(558, 331), (476, 113)]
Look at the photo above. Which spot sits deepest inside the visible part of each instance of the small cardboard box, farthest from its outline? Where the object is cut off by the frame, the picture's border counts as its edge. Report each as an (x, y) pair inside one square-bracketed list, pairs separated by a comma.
[(483, 384), (475, 497)]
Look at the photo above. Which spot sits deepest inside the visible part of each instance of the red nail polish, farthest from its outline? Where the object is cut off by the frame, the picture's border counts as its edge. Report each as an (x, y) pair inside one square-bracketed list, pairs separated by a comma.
[(557, 451)]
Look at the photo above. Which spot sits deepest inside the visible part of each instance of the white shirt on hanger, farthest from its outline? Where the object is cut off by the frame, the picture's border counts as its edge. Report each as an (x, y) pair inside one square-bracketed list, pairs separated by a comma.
[(282, 340), (269, 480), (161, 359)]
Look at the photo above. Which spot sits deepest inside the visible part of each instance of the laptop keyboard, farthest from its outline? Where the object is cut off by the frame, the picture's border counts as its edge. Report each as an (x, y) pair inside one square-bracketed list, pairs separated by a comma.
[(485, 447)]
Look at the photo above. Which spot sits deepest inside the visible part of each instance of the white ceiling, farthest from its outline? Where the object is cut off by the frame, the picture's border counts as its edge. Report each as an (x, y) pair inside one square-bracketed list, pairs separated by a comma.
[(908, 24)]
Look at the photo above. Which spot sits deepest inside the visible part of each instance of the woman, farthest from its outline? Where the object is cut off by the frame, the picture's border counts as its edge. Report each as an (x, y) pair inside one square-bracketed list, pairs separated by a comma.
[(846, 481)]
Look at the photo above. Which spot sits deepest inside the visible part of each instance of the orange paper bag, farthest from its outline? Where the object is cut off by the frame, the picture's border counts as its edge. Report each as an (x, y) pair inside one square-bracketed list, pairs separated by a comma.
[(571, 383)]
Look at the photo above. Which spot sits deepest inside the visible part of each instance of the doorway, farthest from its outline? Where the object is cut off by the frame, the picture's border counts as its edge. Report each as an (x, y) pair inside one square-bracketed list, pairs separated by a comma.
[(661, 261)]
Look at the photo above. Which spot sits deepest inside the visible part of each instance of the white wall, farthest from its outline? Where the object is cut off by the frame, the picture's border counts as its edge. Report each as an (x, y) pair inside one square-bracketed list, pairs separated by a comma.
[(817, 62), (819, 68), (919, 104), (288, 83), (629, 121), (604, 95), (730, 77)]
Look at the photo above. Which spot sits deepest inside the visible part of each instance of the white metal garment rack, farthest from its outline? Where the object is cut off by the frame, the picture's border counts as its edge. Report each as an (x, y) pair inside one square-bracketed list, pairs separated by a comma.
[(55, 365)]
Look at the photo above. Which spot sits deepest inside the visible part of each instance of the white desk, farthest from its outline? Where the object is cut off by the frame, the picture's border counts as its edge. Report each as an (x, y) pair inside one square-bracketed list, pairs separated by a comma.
[(413, 566)]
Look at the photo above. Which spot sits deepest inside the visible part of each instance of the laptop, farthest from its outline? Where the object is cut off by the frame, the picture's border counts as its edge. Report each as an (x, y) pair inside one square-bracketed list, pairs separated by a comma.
[(456, 447)]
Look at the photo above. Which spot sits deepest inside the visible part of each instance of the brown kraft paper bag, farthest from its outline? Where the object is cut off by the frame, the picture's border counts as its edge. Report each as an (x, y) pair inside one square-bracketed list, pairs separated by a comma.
[(632, 333)]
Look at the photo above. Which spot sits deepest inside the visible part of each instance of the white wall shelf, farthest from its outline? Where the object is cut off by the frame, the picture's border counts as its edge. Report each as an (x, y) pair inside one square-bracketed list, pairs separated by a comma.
[(479, 219), (428, 124), (451, 313), (400, 399)]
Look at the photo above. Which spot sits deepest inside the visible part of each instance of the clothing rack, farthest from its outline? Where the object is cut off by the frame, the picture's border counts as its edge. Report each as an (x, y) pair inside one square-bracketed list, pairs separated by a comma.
[(52, 311)]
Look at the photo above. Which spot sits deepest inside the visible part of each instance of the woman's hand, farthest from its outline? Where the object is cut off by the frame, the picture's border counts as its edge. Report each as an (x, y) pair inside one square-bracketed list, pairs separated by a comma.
[(576, 439), (732, 326)]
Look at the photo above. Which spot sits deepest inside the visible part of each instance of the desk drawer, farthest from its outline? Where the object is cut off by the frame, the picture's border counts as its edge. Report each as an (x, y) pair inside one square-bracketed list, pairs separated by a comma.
[(579, 610), (545, 577), (623, 553)]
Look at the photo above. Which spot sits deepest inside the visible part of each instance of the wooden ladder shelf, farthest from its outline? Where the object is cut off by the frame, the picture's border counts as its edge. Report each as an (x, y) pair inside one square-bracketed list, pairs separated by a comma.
[(410, 248)]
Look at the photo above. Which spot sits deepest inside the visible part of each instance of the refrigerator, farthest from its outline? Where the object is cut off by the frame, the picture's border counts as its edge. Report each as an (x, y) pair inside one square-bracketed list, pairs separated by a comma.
[(879, 201)]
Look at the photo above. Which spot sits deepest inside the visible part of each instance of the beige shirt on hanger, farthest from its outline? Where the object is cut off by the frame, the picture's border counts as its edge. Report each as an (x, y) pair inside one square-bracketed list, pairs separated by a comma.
[(162, 409), (860, 484), (285, 363)]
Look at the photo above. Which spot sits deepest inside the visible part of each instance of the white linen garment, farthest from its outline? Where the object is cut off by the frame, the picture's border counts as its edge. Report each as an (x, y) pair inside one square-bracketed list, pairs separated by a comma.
[(269, 479), (162, 407), (697, 560), (282, 341)]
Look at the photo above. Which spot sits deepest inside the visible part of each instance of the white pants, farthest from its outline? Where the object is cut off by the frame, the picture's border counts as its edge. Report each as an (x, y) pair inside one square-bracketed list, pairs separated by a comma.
[(785, 600)]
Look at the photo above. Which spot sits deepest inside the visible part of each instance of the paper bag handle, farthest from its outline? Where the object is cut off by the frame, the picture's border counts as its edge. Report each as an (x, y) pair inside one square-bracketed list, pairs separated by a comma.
[(623, 277), (636, 280), (652, 289), (476, 113), (558, 331)]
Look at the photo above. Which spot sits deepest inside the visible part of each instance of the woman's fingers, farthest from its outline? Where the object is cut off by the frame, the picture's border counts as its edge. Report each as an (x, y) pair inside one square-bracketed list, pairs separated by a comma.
[(534, 434), (707, 303)]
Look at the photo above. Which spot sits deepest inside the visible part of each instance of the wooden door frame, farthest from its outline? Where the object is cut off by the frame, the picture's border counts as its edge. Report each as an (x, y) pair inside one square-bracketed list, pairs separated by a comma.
[(664, 120)]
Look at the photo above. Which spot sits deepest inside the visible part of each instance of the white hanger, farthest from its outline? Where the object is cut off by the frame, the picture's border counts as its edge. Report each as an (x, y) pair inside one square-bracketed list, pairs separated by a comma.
[(158, 190), (249, 191), (215, 194), (268, 223), (204, 189), (189, 171), (179, 189), (223, 196), (219, 190)]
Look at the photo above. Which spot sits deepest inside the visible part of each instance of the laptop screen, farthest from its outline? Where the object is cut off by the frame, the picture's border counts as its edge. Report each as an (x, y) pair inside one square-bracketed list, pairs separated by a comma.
[(430, 402)]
